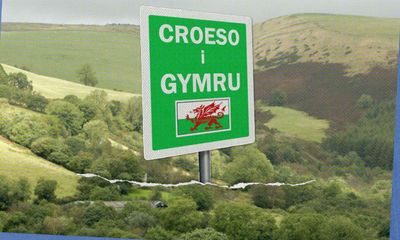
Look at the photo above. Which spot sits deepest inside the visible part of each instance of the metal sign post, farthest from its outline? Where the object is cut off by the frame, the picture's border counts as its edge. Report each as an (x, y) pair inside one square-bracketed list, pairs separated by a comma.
[(205, 166)]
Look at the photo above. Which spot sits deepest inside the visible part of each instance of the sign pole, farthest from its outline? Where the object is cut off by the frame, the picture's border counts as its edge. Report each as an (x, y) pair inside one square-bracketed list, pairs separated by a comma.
[(205, 166)]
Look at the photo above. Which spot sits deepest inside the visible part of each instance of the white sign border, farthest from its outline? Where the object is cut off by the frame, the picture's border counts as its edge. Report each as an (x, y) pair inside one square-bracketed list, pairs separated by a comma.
[(149, 153)]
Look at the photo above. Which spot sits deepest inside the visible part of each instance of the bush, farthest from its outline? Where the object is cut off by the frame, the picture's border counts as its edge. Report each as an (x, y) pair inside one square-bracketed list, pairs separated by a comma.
[(104, 194), (181, 216), (36, 102), (19, 80), (46, 190), (248, 165), (278, 98), (26, 129), (75, 144), (44, 146), (340, 228), (241, 221), (94, 213), (204, 234), (87, 76), (268, 196), (300, 227), (202, 195), (59, 158), (159, 233), (69, 115)]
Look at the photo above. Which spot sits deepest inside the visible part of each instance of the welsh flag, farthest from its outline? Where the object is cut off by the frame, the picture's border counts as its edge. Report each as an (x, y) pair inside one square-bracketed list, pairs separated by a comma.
[(202, 116)]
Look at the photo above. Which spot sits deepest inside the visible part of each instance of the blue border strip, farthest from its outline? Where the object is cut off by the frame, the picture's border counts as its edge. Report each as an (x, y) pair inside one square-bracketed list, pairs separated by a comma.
[(395, 212), (17, 236)]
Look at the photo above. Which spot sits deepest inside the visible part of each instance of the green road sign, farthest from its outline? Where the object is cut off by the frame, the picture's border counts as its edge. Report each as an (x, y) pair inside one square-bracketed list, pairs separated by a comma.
[(197, 71)]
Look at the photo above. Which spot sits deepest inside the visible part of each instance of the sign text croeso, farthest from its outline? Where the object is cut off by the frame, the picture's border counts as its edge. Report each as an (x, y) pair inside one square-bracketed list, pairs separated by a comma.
[(197, 35)]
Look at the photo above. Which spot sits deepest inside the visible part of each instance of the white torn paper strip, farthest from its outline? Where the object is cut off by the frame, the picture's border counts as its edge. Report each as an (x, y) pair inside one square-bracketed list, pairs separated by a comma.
[(193, 182)]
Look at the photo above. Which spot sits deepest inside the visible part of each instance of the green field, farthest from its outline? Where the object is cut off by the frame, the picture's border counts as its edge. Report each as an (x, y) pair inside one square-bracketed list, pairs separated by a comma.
[(16, 162), (58, 52), (57, 88), (327, 38), (297, 124), (373, 27)]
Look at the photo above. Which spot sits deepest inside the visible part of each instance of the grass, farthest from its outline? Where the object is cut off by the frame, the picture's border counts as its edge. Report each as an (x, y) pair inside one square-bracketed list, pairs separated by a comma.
[(60, 50), (357, 25), (360, 43), (145, 194), (297, 124), (17, 162), (57, 88)]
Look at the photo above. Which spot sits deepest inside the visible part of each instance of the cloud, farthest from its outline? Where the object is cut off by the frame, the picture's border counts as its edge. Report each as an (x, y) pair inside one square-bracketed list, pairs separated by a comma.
[(127, 11)]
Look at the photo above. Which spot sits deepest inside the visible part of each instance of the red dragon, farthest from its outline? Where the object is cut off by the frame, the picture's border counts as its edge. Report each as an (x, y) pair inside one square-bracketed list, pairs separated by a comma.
[(206, 114)]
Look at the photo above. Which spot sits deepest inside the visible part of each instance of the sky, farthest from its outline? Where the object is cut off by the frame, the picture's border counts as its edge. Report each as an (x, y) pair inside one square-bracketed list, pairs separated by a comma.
[(127, 11)]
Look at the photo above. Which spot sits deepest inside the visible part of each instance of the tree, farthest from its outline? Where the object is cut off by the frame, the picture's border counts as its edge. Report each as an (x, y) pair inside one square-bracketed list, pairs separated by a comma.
[(96, 131), (81, 162), (134, 114), (248, 165), (278, 98), (202, 195), (268, 196), (5, 198), (44, 146), (19, 80), (204, 234), (115, 107), (141, 220), (45, 190), (365, 101), (21, 190), (94, 213), (36, 102), (3, 76), (57, 225), (242, 221), (28, 128), (59, 158), (339, 227), (69, 114), (300, 227), (104, 194), (75, 144), (159, 233), (181, 216), (87, 76)]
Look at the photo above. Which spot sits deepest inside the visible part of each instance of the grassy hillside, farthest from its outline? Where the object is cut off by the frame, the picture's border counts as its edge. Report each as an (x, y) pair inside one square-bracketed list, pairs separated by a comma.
[(324, 38), (16, 162), (57, 88), (60, 50), (326, 62), (297, 124)]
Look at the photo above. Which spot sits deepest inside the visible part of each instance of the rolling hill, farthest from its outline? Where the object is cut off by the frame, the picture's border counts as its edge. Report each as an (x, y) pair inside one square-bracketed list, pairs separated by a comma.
[(326, 62), (60, 50), (57, 88), (16, 162), (315, 58)]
